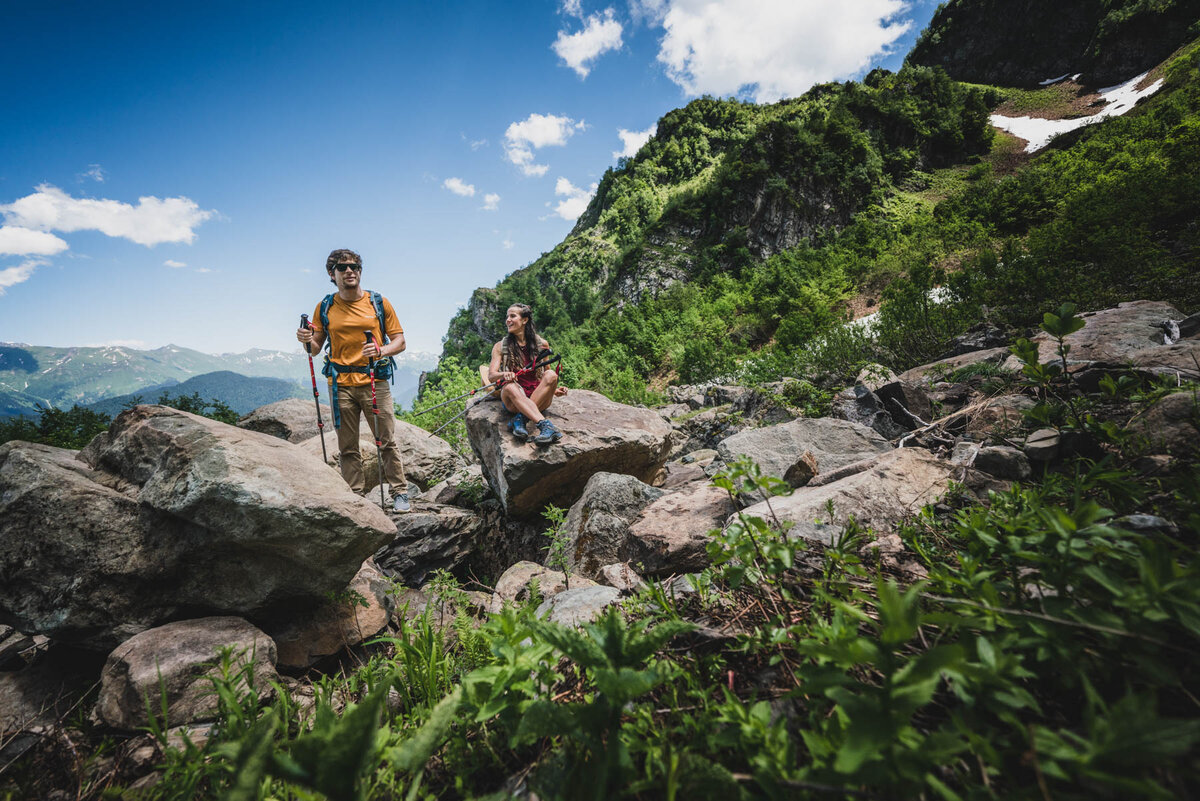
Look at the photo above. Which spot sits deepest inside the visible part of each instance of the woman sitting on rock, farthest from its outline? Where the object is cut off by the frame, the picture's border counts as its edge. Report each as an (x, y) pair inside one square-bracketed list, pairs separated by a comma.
[(527, 394)]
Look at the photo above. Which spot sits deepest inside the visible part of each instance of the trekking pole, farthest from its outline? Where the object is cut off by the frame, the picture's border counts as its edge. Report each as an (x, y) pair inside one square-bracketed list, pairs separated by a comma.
[(466, 409), (316, 394), (375, 427)]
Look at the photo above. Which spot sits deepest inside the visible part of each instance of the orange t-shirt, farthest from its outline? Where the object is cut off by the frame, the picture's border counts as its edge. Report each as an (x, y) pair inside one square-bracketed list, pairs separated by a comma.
[(347, 322)]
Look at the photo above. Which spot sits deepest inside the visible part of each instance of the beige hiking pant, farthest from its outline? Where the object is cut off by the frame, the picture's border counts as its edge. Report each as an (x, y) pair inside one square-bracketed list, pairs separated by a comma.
[(352, 401)]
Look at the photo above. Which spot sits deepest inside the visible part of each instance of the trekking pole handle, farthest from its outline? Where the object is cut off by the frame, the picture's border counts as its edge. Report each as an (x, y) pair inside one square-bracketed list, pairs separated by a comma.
[(304, 324), (370, 335)]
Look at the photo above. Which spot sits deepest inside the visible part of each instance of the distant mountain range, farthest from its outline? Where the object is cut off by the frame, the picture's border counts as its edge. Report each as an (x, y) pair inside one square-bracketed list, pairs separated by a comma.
[(241, 393), (32, 376)]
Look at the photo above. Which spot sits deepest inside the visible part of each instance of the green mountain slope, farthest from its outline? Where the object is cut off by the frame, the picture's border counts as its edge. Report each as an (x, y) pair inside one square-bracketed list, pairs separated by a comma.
[(727, 191), (1024, 42), (735, 240)]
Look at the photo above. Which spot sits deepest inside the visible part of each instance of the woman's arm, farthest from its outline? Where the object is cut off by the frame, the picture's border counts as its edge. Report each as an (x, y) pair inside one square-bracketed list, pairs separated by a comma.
[(494, 371)]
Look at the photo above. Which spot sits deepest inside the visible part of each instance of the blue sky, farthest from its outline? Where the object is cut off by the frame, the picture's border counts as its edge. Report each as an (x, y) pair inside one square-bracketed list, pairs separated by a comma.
[(176, 173)]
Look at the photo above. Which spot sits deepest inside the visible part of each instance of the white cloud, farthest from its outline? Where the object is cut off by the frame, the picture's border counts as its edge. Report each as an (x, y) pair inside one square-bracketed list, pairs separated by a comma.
[(173, 263), (459, 187), (647, 10), (573, 8), (772, 48), (475, 144), (599, 35), (491, 202), (151, 222), (203, 270), (95, 172), (632, 141), (576, 199), (12, 276), (18, 241), (537, 131), (507, 244)]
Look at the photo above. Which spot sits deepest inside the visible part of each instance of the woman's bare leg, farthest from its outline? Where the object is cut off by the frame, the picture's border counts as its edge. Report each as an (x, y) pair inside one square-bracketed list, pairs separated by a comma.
[(544, 394), (515, 401)]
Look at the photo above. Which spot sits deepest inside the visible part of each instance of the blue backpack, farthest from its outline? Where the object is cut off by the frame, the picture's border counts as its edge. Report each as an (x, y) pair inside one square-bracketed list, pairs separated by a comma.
[(331, 369)]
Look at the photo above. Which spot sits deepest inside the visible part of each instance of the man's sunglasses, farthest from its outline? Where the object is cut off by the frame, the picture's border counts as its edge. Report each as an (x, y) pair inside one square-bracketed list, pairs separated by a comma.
[(341, 268)]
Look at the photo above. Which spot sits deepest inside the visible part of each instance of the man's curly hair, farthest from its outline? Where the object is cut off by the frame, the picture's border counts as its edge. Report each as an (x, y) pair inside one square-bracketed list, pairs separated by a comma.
[(342, 255)]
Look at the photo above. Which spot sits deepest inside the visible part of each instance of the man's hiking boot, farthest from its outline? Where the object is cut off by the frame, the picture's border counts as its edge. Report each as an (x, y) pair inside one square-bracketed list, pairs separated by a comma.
[(400, 502), (517, 427), (547, 433)]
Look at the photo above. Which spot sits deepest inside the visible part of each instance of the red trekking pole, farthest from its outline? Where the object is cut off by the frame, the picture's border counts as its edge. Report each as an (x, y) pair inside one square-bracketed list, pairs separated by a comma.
[(375, 421), (316, 394)]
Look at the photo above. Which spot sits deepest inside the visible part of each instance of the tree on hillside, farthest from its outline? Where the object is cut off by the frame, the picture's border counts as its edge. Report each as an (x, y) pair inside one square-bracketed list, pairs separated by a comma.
[(72, 428)]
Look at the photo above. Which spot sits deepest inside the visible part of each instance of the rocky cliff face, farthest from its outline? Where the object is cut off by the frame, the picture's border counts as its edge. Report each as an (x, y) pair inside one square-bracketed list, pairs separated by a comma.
[(1024, 42)]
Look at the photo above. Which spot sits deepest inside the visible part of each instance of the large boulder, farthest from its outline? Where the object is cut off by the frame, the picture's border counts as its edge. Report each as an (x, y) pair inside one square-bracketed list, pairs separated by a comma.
[(516, 583), (427, 459), (179, 660), (575, 607), (1128, 336), (671, 534), (892, 489), (345, 619), (1170, 425), (934, 371), (429, 538), (597, 525), (293, 419), (781, 449), (170, 512), (598, 435)]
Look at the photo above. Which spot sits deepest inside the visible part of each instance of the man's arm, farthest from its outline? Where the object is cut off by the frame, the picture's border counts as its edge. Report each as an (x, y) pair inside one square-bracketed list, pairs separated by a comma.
[(392, 348), (395, 333)]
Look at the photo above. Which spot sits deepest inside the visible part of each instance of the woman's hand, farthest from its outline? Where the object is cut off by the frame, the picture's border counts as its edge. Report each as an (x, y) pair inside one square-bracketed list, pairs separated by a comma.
[(560, 391)]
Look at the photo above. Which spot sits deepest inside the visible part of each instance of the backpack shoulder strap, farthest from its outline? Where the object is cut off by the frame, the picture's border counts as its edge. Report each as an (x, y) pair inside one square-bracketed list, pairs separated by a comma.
[(377, 302), (325, 304), (385, 366)]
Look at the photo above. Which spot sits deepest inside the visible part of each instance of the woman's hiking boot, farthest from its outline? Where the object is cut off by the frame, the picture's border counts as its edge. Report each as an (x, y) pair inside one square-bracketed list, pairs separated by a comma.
[(517, 427), (547, 433)]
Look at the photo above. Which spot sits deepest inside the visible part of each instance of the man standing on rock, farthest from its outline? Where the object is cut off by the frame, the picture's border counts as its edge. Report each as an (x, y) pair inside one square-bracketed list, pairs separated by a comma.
[(345, 317)]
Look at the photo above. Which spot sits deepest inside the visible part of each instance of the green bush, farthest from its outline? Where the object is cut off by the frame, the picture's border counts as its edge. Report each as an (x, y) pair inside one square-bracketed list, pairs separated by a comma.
[(450, 380), (63, 428)]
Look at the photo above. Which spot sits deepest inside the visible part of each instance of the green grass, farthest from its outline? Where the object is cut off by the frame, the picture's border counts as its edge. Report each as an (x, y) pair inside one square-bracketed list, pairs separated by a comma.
[(1050, 101)]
